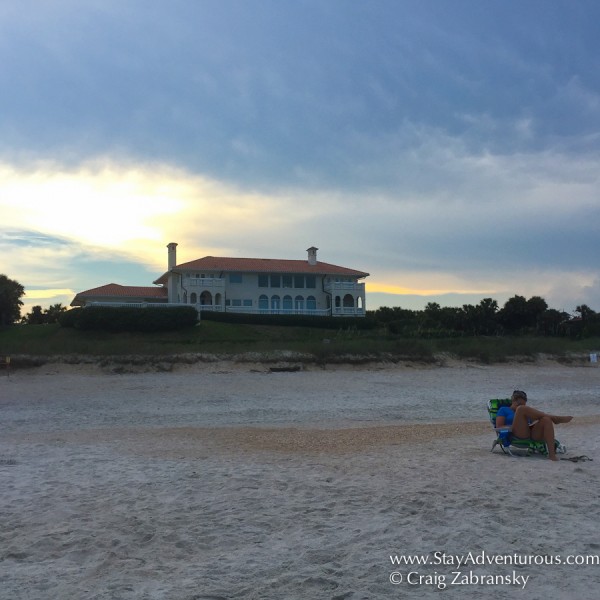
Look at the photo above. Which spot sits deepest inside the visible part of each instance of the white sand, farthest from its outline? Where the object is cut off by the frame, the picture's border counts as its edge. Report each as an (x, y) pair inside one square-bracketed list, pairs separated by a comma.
[(223, 483)]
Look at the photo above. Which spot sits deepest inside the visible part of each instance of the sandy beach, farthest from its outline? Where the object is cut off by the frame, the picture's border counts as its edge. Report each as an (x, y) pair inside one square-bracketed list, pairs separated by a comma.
[(222, 481)]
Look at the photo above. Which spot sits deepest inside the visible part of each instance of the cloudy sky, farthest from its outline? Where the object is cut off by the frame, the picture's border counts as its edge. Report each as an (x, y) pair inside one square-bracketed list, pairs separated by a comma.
[(449, 148)]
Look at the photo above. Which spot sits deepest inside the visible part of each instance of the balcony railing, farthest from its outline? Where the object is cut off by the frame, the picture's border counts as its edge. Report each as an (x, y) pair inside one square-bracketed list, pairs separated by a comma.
[(348, 312), (140, 304), (209, 307), (346, 286), (205, 282), (336, 312)]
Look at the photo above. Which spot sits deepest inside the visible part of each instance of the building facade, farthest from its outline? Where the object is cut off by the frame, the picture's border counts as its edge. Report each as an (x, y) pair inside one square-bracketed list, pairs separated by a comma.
[(251, 285)]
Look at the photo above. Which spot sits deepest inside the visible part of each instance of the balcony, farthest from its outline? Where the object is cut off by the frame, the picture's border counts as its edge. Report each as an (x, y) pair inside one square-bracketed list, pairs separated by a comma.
[(346, 311), (345, 286), (278, 311), (336, 312), (204, 282), (137, 304)]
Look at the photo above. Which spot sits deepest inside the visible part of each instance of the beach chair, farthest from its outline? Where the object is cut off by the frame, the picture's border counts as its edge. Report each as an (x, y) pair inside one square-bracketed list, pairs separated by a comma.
[(506, 441)]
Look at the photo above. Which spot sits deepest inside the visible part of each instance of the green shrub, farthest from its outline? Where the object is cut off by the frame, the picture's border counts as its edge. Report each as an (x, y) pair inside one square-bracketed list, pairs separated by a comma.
[(123, 318), (68, 319), (292, 320)]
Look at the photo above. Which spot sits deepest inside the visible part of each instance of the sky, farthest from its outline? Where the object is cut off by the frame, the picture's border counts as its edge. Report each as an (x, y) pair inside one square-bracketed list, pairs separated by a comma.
[(451, 149)]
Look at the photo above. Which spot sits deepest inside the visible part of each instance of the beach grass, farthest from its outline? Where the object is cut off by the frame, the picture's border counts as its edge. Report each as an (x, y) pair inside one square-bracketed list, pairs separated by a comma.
[(325, 345), (498, 349)]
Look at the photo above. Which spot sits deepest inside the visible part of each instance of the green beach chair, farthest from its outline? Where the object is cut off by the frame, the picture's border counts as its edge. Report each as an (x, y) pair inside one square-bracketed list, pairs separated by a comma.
[(505, 440)]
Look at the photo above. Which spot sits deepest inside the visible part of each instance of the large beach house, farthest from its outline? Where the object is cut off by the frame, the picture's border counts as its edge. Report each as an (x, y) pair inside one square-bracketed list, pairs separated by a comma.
[(245, 285)]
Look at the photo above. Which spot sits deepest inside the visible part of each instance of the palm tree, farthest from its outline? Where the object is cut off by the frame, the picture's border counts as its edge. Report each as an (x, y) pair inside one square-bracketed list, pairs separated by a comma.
[(53, 313)]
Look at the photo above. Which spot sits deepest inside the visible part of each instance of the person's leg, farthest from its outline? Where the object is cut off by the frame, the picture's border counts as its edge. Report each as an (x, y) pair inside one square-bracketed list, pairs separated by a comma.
[(556, 420), (543, 430), (523, 415)]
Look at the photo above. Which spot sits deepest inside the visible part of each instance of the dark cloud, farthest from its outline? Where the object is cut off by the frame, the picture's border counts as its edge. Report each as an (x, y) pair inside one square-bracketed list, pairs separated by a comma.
[(289, 94)]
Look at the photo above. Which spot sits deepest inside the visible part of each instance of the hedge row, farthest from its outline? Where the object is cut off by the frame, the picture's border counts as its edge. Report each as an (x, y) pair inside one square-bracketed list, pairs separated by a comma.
[(291, 320), (122, 318)]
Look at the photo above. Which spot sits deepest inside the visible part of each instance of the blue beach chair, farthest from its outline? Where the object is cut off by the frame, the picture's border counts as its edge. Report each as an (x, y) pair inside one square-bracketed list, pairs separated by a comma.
[(505, 440)]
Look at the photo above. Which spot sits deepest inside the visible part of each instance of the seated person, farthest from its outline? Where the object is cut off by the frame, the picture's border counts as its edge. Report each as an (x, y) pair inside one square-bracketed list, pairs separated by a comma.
[(527, 422)]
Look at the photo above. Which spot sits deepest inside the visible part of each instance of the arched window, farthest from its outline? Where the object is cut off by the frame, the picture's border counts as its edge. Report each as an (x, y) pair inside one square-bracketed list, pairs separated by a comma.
[(337, 302), (193, 298), (299, 303), (263, 303), (287, 303), (205, 298), (348, 301), (275, 302), (311, 303)]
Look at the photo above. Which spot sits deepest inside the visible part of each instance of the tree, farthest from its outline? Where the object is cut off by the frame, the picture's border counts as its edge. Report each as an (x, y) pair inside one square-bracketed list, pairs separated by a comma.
[(11, 292), (551, 320), (519, 314), (35, 317), (480, 319), (52, 314), (49, 315), (513, 315), (590, 320), (585, 312)]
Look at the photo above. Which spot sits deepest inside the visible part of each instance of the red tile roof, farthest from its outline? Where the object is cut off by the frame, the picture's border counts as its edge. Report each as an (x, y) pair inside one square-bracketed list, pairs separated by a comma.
[(114, 290), (262, 265)]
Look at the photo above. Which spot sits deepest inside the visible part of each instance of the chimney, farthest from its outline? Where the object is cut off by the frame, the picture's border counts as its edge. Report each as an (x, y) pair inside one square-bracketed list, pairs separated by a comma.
[(312, 256), (172, 282), (172, 255)]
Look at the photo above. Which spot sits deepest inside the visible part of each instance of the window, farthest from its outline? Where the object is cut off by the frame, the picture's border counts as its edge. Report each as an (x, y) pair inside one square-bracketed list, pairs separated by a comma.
[(275, 302), (235, 278), (236, 302), (311, 281), (247, 302), (287, 303), (286, 281), (311, 303), (263, 303), (275, 281), (299, 303), (263, 281), (193, 298), (298, 281)]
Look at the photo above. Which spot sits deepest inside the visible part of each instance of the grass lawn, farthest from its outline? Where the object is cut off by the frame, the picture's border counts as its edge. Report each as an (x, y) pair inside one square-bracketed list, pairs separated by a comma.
[(325, 344)]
